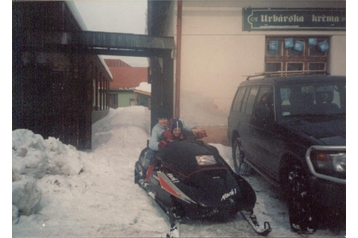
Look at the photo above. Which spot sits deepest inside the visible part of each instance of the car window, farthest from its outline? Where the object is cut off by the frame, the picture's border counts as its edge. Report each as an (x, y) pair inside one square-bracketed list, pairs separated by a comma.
[(322, 99), (236, 106), (251, 100), (264, 104)]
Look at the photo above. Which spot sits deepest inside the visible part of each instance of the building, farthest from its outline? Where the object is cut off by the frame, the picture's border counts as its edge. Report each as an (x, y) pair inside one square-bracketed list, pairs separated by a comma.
[(58, 89), (219, 43), (125, 79), (60, 82), (143, 95)]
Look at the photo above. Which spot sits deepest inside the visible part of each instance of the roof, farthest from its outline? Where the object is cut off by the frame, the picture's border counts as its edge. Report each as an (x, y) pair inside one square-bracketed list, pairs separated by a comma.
[(128, 77), (144, 88)]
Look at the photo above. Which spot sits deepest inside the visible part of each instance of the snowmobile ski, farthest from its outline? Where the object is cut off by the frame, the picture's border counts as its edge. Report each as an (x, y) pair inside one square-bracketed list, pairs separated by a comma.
[(174, 230), (174, 223), (252, 220)]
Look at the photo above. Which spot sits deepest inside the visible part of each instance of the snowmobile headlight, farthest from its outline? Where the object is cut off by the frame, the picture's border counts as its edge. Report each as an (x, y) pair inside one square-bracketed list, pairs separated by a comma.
[(204, 160)]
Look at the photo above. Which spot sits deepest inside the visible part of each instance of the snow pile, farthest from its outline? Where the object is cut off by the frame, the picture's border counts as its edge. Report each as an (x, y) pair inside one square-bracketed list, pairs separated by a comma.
[(32, 159), (26, 196), (34, 156)]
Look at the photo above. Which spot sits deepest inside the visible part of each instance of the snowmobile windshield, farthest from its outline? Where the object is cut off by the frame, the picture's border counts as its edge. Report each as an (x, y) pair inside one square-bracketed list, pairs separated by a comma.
[(189, 156)]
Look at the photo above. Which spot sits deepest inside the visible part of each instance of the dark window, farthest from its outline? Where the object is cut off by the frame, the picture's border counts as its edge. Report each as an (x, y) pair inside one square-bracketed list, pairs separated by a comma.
[(315, 51), (313, 98), (273, 67), (294, 66), (274, 48), (238, 100), (264, 105), (296, 53), (251, 100), (265, 97), (317, 66)]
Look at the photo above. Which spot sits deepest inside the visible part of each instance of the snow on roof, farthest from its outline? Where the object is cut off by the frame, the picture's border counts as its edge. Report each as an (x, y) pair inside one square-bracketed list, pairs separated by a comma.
[(144, 87), (101, 58)]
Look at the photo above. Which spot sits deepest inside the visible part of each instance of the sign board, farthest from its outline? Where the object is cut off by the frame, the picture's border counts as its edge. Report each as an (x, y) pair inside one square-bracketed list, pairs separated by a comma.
[(255, 19)]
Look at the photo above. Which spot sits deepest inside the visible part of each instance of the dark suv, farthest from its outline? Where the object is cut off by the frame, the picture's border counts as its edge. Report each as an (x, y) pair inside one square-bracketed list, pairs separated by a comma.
[(292, 131)]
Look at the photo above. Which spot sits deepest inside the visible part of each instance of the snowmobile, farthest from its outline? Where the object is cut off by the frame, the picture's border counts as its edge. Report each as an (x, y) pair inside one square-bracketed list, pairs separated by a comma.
[(192, 181)]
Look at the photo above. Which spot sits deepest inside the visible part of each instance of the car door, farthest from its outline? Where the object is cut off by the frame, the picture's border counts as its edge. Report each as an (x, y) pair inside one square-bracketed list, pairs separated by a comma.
[(236, 112), (245, 128), (262, 130)]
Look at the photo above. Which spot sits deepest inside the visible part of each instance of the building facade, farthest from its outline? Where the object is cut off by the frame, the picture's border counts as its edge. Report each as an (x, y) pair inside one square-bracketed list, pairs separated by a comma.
[(143, 95), (58, 89), (219, 43), (125, 79)]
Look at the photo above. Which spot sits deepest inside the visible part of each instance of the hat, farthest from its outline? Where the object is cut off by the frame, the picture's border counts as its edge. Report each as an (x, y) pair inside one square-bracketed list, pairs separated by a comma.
[(174, 123)]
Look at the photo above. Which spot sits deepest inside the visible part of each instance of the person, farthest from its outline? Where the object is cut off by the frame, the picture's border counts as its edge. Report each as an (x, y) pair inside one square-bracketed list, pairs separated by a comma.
[(158, 129), (174, 133), (156, 132)]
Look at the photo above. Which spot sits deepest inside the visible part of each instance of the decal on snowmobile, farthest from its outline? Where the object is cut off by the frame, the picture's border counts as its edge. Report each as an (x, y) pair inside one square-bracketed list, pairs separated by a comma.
[(229, 194), (167, 185), (172, 178)]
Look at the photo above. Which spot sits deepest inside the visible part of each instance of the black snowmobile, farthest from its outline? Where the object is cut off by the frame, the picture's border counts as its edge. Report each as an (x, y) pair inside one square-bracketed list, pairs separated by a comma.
[(192, 181)]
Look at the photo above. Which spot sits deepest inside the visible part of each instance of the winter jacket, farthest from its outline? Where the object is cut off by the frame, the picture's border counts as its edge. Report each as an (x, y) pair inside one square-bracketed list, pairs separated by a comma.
[(156, 133), (167, 137)]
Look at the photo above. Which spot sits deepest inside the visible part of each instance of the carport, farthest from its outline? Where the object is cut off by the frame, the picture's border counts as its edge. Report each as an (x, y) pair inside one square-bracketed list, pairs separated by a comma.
[(54, 70)]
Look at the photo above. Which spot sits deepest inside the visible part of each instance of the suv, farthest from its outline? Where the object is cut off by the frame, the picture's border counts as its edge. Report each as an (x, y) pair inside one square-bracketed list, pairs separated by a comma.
[(292, 131)]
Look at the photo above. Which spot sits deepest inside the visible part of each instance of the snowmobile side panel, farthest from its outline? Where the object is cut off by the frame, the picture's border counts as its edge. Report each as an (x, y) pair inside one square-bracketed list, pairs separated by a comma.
[(168, 185)]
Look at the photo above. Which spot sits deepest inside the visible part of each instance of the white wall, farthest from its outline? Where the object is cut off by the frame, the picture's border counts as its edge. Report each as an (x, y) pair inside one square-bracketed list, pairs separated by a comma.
[(337, 56), (214, 52), (216, 55)]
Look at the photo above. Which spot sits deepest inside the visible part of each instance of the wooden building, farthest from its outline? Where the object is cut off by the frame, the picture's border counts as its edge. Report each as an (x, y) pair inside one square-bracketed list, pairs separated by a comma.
[(56, 89), (60, 85)]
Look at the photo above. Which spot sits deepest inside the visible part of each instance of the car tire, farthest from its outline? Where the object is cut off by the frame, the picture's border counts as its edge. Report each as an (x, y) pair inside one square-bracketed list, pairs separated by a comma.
[(238, 155), (301, 212)]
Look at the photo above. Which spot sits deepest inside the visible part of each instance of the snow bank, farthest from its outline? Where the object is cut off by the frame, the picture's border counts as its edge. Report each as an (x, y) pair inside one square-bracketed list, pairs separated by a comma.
[(32, 159), (34, 156)]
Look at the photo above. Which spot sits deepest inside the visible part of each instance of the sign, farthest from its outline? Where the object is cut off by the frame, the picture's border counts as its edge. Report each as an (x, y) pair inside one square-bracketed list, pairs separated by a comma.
[(255, 19)]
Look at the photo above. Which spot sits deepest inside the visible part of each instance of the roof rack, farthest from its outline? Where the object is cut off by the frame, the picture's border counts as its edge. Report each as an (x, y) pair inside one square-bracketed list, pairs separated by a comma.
[(286, 73)]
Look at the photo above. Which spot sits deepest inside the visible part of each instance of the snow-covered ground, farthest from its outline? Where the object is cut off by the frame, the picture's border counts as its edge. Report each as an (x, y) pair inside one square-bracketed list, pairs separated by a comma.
[(92, 194)]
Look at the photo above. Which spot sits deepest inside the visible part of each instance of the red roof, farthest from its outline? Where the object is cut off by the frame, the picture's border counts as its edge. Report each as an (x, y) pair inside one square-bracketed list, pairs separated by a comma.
[(116, 63), (125, 76)]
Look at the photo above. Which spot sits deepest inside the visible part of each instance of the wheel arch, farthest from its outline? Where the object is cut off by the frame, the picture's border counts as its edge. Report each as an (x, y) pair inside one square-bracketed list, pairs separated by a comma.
[(287, 161), (234, 135)]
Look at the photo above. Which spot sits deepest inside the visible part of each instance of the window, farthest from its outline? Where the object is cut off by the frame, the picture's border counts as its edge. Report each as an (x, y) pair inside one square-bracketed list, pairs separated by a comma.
[(324, 98), (264, 111), (296, 53), (238, 100), (251, 100), (132, 102)]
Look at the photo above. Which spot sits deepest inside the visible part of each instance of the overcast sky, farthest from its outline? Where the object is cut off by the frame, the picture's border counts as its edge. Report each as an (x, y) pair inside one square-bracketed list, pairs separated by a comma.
[(122, 16)]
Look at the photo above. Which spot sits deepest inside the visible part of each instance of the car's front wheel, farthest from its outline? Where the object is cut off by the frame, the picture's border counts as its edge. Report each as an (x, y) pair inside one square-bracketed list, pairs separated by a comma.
[(302, 216), (238, 155)]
